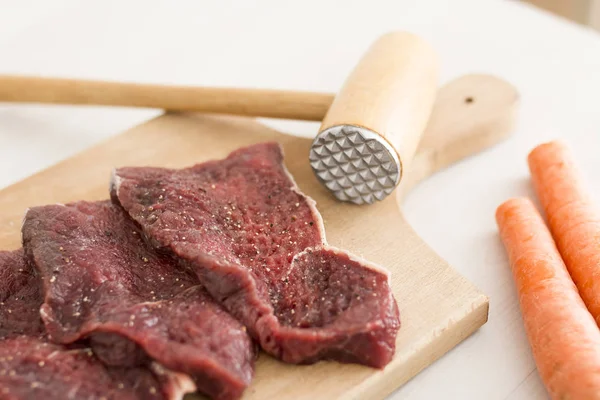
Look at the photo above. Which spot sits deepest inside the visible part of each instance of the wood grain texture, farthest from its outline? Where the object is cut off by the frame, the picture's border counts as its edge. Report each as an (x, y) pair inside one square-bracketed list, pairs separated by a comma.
[(310, 106), (439, 307), (391, 91)]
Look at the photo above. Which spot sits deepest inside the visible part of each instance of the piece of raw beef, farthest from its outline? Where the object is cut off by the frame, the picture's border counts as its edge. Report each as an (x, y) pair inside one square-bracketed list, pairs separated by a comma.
[(33, 368), (103, 283), (258, 245)]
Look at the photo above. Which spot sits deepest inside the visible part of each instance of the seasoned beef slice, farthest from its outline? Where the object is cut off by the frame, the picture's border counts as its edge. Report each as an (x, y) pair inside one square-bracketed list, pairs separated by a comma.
[(32, 368), (258, 246), (105, 284), (20, 297)]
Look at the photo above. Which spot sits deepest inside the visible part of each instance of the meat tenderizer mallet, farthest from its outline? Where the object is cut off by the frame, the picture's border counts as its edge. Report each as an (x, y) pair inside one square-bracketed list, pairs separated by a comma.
[(371, 130), (369, 133)]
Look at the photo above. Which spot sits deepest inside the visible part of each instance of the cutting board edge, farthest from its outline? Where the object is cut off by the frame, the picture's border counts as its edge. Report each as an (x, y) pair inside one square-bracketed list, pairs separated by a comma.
[(457, 333)]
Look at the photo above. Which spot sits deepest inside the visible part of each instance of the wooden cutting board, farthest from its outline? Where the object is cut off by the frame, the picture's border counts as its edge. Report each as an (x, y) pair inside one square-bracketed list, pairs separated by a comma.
[(438, 307)]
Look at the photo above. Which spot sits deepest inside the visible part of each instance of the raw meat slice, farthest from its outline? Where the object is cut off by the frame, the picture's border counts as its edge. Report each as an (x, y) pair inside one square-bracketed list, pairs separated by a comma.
[(37, 369), (104, 283), (33, 368), (20, 297), (258, 245)]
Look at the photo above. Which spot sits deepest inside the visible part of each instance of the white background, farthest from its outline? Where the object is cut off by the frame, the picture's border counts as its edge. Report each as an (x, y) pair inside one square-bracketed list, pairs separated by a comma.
[(312, 45)]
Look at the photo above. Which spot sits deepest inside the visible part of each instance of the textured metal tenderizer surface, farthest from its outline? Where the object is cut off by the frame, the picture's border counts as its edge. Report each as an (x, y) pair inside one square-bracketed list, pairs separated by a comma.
[(356, 164)]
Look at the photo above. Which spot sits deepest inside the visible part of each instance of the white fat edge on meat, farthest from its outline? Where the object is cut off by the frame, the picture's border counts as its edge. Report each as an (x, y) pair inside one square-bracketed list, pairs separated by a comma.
[(312, 204), (23, 222), (321, 225), (180, 383), (368, 264), (115, 182)]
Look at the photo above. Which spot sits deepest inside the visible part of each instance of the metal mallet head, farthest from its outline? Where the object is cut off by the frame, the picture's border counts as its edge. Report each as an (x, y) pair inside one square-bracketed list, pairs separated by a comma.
[(371, 131), (355, 163)]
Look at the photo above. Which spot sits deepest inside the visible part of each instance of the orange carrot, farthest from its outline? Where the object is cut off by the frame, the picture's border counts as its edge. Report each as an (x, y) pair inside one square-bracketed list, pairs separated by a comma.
[(572, 217), (563, 335)]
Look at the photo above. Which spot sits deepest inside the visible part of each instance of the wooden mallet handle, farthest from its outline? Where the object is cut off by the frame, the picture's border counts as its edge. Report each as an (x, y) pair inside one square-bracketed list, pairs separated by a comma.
[(310, 106)]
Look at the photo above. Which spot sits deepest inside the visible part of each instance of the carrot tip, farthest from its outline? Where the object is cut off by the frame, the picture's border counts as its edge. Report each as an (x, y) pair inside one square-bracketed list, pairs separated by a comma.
[(554, 145), (512, 203)]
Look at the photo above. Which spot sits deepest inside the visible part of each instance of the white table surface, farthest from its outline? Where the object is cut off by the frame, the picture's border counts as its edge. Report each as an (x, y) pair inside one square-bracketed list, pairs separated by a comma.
[(312, 45)]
